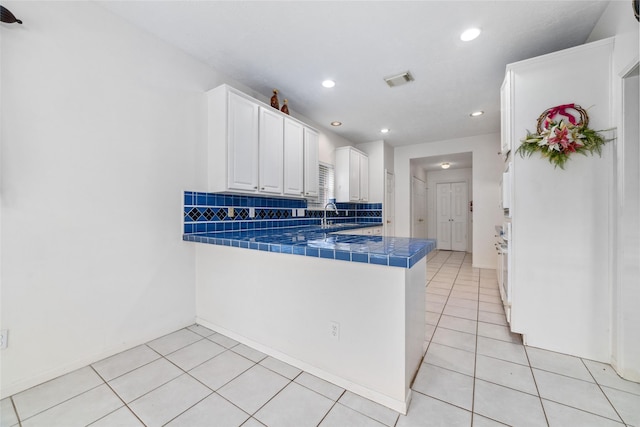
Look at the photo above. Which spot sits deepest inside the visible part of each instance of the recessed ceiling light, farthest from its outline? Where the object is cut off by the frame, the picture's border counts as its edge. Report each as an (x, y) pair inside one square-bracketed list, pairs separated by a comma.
[(385, 130), (470, 34), (336, 123), (445, 165), (476, 113), (328, 83)]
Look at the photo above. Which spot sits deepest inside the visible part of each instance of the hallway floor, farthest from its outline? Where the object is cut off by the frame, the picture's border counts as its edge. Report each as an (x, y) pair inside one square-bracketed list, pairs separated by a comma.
[(475, 372)]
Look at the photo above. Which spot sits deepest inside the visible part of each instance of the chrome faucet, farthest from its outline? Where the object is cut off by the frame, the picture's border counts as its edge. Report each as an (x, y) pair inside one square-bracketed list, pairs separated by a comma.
[(324, 218)]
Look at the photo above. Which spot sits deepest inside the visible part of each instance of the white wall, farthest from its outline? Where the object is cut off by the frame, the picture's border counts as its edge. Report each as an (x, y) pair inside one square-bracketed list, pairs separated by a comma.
[(618, 21), (487, 170), (103, 127), (443, 176)]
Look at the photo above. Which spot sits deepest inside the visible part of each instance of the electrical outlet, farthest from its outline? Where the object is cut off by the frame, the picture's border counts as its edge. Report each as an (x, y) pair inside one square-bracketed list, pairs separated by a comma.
[(230, 212), (252, 212), (4, 339), (334, 330)]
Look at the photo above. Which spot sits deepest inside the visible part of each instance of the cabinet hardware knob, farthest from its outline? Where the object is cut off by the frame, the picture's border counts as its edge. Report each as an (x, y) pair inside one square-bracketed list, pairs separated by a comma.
[(388, 222), (262, 188), (255, 188)]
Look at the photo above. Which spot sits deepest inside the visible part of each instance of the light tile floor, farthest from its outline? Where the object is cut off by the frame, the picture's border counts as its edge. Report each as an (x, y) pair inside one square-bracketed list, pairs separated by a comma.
[(475, 372)]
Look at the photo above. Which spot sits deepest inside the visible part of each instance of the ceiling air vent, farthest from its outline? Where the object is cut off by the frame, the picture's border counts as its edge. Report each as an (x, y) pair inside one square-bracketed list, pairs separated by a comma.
[(399, 79)]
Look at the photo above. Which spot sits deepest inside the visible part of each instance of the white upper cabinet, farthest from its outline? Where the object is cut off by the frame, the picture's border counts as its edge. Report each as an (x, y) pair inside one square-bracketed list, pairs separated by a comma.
[(256, 149), (311, 163), (243, 144), (505, 114), (364, 177), (352, 175), (271, 151), (293, 158)]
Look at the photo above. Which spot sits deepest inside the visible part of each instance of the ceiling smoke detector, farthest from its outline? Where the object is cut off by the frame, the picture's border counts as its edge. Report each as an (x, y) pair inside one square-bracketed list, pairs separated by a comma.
[(399, 79)]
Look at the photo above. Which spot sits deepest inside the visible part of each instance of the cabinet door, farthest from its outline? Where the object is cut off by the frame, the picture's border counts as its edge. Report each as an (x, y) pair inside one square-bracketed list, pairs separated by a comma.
[(311, 164), (242, 127), (354, 176), (293, 158), (271, 151), (505, 115), (364, 178)]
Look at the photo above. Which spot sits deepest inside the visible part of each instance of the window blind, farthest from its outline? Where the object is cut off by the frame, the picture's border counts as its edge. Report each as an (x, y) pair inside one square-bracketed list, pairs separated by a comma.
[(326, 180)]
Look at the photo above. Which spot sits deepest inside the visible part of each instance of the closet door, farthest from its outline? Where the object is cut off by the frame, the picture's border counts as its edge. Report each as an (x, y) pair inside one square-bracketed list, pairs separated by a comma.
[(451, 205)]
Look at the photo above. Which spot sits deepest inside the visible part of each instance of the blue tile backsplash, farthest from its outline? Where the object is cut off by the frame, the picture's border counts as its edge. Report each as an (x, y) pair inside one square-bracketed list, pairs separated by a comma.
[(209, 212)]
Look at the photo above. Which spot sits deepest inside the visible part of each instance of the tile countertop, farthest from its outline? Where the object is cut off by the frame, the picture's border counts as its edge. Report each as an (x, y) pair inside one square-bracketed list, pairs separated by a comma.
[(315, 241)]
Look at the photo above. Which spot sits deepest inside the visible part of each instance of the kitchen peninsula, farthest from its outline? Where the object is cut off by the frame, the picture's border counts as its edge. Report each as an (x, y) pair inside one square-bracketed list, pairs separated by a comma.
[(346, 308)]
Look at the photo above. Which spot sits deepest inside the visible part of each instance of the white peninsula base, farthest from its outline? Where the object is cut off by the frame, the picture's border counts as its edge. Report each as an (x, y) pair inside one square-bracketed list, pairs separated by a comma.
[(288, 306)]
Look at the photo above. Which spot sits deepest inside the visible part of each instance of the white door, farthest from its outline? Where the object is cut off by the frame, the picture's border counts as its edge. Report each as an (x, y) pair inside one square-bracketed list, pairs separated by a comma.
[(243, 144), (271, 151), (418, 208), (389, 204), (459, 216), (293, 158), (451, 208), (443, 216)]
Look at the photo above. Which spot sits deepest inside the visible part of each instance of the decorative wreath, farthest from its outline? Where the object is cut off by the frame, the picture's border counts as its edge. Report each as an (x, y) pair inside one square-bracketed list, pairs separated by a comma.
[(557, 139)]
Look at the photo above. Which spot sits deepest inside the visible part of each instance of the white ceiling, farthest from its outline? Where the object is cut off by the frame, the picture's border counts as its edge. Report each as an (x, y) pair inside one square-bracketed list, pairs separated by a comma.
[(294, 45), (433, 163)]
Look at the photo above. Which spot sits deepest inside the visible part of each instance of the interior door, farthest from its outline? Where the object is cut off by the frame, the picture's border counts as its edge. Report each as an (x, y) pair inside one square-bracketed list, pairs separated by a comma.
[(389, 205), (418, 209), (459, 216), (443, 216), (451, 207)]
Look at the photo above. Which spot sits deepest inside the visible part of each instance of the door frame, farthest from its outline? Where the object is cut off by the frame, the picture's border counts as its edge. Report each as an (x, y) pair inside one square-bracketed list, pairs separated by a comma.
[(432, 208), (389, 205), (625, 254)]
